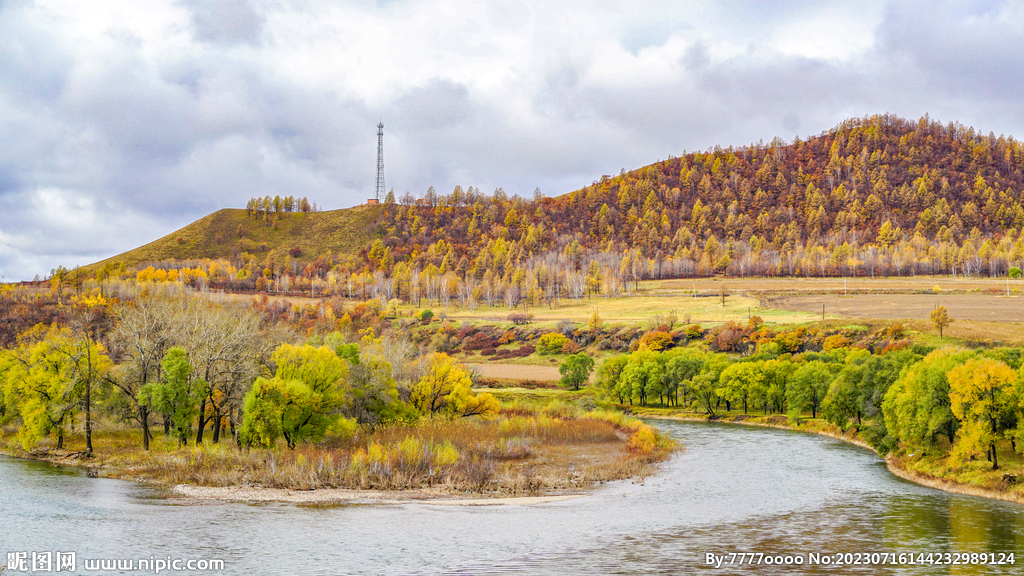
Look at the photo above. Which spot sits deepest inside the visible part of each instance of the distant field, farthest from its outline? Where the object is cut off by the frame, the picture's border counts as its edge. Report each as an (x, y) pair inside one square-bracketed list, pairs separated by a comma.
[(982, 307), (906, 284), (642, 307)]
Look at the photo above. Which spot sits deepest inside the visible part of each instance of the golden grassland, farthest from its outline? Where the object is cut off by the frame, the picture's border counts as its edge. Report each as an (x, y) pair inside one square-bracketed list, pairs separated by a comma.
[(220, 234), (836, 285), (638, 308), (527, 450)]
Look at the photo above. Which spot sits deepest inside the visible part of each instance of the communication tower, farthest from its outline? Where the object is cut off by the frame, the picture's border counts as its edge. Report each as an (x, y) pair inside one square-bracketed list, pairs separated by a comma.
[(380, 193)]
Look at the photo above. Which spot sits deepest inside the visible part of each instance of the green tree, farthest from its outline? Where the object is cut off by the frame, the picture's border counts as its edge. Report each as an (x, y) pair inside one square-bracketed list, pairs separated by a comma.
[(680, 370), (632, 382), (47, 379), (654, 385), (373, 395), (807, 387), (916, 407), (575, 371), (741, 381), (776, 375), (608, 377), (302, 402), (705, 384), (859, 389), (177, 394)]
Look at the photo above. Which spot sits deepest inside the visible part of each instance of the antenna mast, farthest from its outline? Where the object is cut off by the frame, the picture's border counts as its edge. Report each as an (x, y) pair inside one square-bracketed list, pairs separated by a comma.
[(380, 193)]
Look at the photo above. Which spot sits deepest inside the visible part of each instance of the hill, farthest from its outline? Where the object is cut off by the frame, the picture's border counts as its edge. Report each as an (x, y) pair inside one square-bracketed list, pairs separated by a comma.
[(874, 196), (230, 233)]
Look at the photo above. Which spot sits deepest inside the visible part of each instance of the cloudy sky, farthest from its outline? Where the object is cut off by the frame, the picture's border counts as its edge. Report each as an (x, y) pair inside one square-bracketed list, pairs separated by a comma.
[(122, 120)]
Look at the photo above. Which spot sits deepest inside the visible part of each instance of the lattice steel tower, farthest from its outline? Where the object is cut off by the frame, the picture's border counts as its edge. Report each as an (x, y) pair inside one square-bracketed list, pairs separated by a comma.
[(380, 192)]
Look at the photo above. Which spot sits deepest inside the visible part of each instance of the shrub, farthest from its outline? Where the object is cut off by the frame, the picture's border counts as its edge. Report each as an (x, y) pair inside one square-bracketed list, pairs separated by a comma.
[(519, 318), (835, 341), (426, 316), (521, 352), (656, 340), (693, 331), (551, 343), (571, 347), (729, 337), (566, 327), (480, 341), (895, 346), (443, 342), (508, 337), (488, 351), (295, 252), (789, 342)]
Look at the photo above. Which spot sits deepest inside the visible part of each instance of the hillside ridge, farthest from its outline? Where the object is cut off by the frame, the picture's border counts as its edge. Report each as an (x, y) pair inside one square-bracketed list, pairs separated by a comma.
[(231, 232), (878, 195)]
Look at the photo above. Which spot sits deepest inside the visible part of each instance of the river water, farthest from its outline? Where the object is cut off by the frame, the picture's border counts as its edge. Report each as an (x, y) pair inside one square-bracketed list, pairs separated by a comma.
[(735, 489)]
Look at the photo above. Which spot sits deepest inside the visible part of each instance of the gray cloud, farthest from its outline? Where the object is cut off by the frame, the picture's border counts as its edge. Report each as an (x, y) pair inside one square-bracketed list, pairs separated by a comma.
[(118, 128), (226, 21)]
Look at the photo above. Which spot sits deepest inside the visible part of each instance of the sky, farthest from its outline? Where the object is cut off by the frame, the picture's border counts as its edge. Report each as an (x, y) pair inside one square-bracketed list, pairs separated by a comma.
[(123, 120)]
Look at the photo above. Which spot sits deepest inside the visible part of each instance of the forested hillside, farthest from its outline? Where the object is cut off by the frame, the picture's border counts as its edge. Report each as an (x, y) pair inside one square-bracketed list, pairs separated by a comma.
[(878, 195)]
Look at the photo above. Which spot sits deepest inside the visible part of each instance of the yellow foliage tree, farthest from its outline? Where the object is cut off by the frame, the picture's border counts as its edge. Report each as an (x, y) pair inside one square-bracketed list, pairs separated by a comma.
[(446, 389), (940, 317), (980, 393)]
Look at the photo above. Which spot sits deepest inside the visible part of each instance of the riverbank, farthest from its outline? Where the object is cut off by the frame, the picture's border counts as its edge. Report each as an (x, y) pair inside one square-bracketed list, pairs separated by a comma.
[(342, 496), (551, 453), (900, 466)]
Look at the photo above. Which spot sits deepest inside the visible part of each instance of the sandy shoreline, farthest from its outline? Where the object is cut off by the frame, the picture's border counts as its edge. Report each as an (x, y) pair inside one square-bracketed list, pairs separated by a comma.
[(340, 496)]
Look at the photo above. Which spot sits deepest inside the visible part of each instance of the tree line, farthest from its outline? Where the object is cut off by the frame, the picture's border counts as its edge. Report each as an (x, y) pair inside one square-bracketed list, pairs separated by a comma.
[(915, 399), (203, 368)]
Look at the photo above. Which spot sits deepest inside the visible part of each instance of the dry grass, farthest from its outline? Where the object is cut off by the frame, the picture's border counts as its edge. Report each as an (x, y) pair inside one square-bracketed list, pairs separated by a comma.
[(639, 308), (853, 285), (524, 451), (218, 234), (975, 478)]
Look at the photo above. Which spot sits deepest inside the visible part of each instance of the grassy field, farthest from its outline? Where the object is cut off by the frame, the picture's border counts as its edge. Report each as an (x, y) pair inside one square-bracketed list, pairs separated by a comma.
[(969, 306), (852, 285), (640, 308), (980, 307), (222, 233)]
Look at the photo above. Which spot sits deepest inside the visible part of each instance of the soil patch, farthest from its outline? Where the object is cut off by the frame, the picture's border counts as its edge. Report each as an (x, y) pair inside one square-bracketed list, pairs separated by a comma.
[(517, 371), (978, 307)]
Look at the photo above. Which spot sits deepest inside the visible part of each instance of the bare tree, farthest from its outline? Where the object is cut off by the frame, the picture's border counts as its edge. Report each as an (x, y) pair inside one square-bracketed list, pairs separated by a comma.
[(142, 336), (446, 285), (576, 283), (226, 347)]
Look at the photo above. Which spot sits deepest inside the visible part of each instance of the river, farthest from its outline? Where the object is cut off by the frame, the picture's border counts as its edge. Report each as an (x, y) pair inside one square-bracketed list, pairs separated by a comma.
[(735, 489)]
